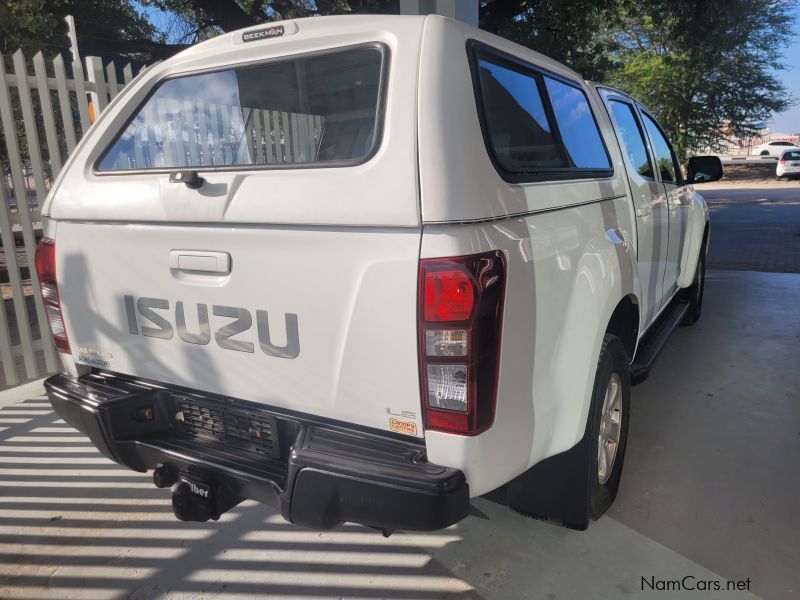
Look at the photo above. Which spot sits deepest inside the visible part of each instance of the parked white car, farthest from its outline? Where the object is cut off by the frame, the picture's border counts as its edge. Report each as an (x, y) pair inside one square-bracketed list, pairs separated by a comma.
[(395, 263), (774, 148), (788, 163)]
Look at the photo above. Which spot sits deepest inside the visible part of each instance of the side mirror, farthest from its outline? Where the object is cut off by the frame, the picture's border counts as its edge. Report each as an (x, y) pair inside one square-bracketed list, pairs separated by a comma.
[(704, 169)]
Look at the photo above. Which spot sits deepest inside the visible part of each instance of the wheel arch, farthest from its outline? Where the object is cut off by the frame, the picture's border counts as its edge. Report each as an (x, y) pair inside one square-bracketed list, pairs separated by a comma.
[(624, 323)]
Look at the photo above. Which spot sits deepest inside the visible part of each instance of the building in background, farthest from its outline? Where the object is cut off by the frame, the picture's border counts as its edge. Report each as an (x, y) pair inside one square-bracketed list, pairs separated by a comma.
[(736, 145)]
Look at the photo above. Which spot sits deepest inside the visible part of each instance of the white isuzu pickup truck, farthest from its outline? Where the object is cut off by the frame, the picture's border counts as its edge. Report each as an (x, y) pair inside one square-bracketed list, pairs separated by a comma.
[(366, 268)]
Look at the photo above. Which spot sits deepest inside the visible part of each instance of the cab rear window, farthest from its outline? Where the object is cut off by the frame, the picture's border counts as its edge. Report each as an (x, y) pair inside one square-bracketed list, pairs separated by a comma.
[(312, 110)]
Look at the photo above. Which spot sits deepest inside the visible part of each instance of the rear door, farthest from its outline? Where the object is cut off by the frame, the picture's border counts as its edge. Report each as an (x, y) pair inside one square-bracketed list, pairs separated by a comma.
[(648, 197), (288, 276)]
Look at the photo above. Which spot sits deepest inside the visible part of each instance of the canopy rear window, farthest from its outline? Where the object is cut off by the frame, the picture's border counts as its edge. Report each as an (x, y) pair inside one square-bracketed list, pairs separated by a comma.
[(321, 109)]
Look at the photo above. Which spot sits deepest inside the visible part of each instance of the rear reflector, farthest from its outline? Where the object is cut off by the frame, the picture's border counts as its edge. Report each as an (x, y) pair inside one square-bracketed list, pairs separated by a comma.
[(46, 269), (460, 318)]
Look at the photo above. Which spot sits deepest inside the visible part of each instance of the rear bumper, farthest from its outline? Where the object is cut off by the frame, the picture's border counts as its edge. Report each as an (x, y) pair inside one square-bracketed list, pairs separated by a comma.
[(318, 474)]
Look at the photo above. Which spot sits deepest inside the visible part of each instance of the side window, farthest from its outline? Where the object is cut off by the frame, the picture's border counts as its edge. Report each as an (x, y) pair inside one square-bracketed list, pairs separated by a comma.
[(577, 126), (536, 127), (632, 137), (665, 157), (516, 120)]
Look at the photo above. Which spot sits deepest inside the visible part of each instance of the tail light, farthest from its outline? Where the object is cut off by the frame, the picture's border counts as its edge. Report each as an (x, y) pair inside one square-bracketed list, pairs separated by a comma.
[(460, 318), (46, 269), (782, 160)]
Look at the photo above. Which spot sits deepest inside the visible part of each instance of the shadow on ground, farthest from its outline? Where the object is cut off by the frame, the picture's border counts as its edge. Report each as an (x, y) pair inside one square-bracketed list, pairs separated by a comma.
[(73, 524)]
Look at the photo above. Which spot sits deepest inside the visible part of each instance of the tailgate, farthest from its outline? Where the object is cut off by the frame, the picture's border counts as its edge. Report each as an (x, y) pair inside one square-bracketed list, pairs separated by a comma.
[(317, 320), (285, 270)]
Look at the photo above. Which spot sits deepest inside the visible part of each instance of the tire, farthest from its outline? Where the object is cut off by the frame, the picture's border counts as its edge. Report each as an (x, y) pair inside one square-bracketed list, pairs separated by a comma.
[(694, 293), (565, 489), (765, 153), (610, 404)]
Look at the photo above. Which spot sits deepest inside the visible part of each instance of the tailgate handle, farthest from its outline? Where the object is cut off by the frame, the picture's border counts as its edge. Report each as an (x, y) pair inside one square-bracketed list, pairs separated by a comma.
[(199, 261)]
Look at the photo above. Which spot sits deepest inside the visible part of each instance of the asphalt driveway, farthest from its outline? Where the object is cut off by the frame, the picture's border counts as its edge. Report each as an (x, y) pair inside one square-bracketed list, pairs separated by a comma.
[(754, 227)]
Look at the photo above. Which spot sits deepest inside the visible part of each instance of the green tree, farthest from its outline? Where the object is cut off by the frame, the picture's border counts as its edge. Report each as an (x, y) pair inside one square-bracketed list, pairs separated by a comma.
[(704, 67), (205, 18), (700, 65), (105, 27), (582, 34)]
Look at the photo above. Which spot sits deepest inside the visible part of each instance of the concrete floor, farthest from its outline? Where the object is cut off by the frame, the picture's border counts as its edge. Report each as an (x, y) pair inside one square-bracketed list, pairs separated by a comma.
[(710, 491)]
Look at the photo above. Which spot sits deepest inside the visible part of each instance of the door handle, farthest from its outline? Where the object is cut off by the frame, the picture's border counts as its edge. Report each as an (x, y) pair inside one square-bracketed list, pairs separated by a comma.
[(200, 261)]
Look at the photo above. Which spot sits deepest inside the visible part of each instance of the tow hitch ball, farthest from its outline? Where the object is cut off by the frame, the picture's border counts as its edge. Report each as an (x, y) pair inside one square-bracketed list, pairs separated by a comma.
[(194, 499)]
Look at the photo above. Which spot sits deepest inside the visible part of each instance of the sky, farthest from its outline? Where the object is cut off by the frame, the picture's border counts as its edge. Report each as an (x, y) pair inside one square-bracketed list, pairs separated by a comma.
[(789, 121), (162, 21), (785, 122)]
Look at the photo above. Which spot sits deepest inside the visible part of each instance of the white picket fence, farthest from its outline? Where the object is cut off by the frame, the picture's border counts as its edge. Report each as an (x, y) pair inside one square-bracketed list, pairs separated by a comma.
[(53, 105)]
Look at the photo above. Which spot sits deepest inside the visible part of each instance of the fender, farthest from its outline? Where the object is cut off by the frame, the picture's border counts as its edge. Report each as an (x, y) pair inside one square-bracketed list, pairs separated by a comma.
[(697, 219), (606, 274), (572, 267)]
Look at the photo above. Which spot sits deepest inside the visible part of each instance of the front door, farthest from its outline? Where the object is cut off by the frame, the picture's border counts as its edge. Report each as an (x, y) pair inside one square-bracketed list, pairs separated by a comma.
[(678, 201)]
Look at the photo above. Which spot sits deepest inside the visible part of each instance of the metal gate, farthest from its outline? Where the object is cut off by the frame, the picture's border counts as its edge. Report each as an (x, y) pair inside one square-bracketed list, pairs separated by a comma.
[(44, 111)]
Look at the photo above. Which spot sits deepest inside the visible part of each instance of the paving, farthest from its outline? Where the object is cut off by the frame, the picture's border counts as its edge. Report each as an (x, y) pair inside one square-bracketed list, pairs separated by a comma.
[(755, 227), (709, 494)]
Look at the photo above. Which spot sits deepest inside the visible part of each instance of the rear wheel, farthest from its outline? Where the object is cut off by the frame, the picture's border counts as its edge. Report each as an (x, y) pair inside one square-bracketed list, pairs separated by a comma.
[(609, 428), (578, 485), (694, 293)]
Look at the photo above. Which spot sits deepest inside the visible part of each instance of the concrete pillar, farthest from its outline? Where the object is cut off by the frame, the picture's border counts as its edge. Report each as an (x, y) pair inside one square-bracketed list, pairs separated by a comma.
[(463, 10)]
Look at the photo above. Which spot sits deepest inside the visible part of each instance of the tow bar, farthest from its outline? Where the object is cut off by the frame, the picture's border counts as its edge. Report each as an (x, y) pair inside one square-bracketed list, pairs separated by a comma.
[(194, 499)]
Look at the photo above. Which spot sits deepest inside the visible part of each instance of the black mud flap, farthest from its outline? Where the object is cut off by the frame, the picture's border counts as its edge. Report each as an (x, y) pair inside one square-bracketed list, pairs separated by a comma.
[(555, 490)]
